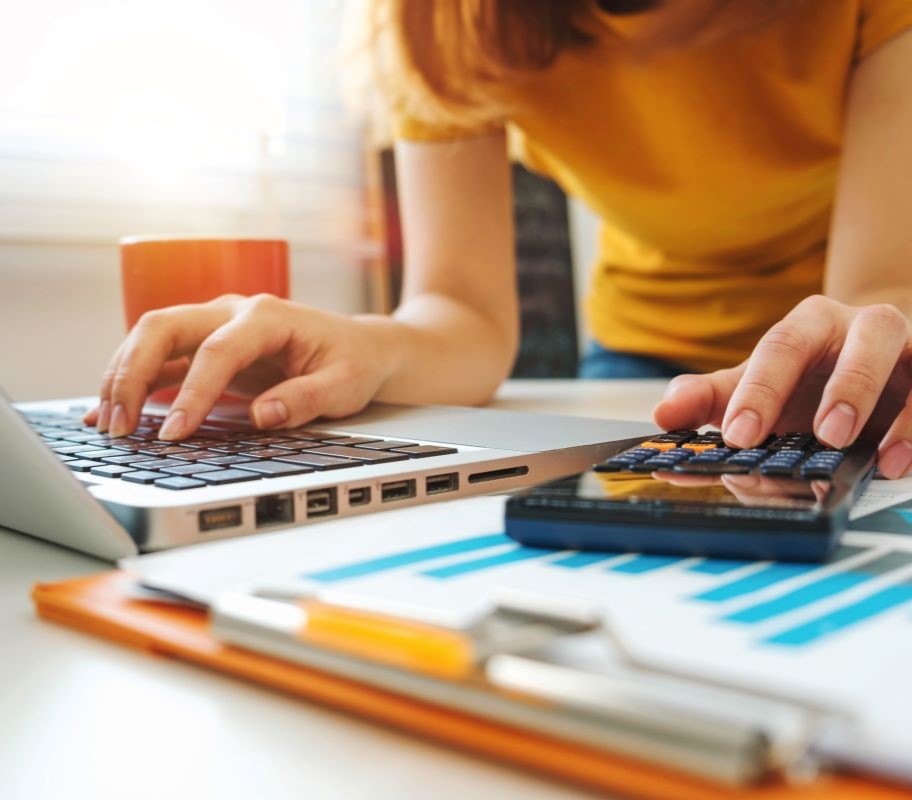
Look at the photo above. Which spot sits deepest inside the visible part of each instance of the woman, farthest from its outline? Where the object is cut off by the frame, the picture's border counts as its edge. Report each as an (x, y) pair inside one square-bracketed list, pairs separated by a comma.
[(751, 162)]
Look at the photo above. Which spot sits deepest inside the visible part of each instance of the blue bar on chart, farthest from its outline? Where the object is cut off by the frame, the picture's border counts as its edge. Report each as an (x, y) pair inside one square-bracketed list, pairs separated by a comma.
[(580, 560), (827, 586), (385, 563), (643, 563), (717, 566), (489, 562), (768, 576), (842, 618)]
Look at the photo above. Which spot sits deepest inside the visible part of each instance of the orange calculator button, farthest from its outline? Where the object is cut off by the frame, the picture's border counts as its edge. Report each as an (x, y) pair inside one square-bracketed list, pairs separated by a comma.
[(663, 446), (699, 448)]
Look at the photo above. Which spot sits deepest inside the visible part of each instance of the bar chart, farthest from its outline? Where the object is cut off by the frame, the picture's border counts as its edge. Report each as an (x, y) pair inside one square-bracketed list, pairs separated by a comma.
[(781, 588)]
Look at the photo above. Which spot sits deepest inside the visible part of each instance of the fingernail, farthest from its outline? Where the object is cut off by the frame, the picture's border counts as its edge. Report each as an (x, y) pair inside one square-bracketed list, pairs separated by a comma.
[(837, 426), (743, 430), (104, 416), (119, 423), (270, 414), (174, 425), (894, 462)]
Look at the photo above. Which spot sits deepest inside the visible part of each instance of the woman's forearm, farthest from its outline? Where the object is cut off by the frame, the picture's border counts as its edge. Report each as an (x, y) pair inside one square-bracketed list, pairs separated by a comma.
[(441, 350)]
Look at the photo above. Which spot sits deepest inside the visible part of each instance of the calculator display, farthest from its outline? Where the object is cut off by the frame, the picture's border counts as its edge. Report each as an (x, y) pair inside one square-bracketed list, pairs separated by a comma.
[(701, 490)]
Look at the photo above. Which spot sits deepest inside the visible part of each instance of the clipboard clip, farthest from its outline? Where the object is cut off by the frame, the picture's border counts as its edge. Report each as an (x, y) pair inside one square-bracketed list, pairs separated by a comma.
[(722, 729)]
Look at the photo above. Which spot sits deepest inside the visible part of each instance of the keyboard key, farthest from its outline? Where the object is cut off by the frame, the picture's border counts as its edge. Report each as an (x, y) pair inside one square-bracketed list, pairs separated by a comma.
[(126, 459), (425, 450), (143, 476), (65, 458), (102, 453), (110, 470), (190, 469), (221, 461), (176, 482), (194, 455), (263, 441), (83, 465), (164, 450), (269, 452), (388, 444), (224, 476), (71, 449), (294, 446), (273, 469), (318, 462), (352, 441), (161, 463), (367, 456)]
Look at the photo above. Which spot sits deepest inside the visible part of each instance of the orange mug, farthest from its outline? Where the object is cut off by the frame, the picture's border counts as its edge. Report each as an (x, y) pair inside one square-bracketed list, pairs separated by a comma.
[(161, 271)]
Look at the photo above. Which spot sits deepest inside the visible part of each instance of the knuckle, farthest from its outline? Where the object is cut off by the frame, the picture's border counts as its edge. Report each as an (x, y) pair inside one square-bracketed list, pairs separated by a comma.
[(218, 346), (886, 316), (151, 320), (759, 389), (816, 304), (859, 378), (785, 341), (262, 304)]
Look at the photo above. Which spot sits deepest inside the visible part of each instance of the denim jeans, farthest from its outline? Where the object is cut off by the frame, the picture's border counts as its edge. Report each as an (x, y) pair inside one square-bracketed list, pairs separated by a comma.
[(599, 362)]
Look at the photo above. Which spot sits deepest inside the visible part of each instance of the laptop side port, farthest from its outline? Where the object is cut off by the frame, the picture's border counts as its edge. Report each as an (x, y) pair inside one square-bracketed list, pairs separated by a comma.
[(438, 484), (213, 519), (321, 503), (397, 490), (359, 496), (274, 509), (498, 474)]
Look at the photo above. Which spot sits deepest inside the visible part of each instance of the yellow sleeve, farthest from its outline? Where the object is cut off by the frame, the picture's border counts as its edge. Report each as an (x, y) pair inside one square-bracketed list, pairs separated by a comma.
[(881, 20)]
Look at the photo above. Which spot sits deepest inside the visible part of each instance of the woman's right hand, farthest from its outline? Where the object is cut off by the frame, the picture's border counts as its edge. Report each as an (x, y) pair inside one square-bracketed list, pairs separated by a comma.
[(296, 363)]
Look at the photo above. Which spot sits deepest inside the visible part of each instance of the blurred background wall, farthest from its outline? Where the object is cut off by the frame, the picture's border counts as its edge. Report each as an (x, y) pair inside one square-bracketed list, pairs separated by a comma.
[(183, 116)]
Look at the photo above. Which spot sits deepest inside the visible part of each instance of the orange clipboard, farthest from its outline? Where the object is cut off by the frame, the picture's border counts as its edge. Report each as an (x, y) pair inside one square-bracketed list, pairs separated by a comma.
[(101, 605)]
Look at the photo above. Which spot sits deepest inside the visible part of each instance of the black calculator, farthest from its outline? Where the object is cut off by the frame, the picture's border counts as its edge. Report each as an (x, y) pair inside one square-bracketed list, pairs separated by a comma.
[(686, 493)]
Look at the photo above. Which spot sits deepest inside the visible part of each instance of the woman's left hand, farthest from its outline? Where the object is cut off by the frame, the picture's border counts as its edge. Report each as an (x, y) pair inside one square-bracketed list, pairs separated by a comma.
[(839, 370)]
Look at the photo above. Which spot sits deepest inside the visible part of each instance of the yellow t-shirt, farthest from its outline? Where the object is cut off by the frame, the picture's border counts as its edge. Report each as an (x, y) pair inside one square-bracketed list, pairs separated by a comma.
[(712, 168)]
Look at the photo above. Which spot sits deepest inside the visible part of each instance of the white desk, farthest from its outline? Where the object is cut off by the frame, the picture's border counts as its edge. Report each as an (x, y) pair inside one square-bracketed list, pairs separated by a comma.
[(82, 718)]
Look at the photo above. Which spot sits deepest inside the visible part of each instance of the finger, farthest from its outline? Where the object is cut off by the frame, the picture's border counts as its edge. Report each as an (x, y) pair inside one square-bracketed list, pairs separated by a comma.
[(101, 416), (172, 373), (694, 400), (155, 339), (779, 360), (227, 351), (895, 454), (876, 339), (330, 392)]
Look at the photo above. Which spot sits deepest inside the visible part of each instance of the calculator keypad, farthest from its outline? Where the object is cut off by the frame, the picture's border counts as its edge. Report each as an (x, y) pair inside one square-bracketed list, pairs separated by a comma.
[(791, 455)]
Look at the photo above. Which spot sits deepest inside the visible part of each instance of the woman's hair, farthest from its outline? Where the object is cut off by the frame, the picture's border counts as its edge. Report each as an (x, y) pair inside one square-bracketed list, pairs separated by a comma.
[(441, 61)]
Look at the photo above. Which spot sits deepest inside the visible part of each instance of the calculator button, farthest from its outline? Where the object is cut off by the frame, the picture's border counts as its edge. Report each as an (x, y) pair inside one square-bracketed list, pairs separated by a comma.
[(699, 447), (654, 444), (777, 470)]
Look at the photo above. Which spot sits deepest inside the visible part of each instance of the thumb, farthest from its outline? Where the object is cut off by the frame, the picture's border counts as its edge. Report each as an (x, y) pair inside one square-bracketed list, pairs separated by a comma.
[(694, 400), (328, 392)]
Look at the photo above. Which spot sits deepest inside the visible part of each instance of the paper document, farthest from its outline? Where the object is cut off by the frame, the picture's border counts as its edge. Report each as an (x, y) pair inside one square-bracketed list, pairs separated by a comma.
[(840, 632)]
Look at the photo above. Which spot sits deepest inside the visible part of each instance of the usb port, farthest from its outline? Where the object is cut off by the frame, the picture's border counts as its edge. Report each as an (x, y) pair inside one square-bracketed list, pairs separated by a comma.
[(321, 503), (360, 496), (438, 484), (213, 519), (274, 509), (397, 490)]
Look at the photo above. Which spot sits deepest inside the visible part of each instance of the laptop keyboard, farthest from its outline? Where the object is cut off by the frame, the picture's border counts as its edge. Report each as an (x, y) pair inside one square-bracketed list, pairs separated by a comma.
[(217, 454)]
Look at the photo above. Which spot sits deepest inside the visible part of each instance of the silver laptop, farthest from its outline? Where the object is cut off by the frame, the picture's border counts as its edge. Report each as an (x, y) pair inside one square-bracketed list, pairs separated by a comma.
[(65, 482)]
